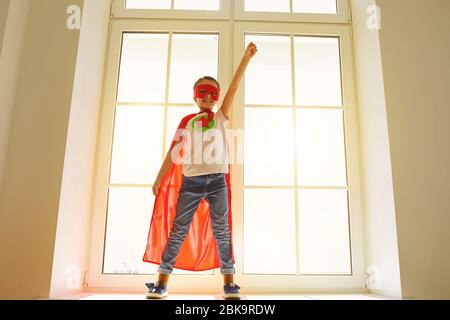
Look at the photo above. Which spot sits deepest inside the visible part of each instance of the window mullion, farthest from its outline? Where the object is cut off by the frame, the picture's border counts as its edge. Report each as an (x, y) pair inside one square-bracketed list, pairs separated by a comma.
[(294, 124), (166, 98)]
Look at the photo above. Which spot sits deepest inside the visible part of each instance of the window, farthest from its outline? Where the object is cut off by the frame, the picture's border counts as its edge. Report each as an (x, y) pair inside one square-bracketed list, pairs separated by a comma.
[(143, 116), (295, 6), (323, 11), (174, 4), (299, 158), (148, 4), (296, 213), (172, 9), (315, 6)]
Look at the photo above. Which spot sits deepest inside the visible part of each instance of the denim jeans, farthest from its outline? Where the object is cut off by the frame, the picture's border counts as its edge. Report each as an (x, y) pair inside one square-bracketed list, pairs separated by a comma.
[(213, 188)]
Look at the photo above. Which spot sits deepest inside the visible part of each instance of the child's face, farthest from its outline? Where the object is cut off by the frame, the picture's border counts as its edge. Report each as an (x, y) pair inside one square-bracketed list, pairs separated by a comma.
[(207, 102)]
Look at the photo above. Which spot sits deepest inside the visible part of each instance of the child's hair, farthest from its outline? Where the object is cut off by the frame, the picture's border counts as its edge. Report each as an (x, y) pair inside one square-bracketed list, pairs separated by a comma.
[(207, 78)]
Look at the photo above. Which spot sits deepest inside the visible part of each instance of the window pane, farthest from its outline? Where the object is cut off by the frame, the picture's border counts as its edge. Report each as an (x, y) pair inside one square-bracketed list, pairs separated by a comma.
[(269, 231), (129, 215), (324, 232), (197, 4), (317, 71), (174, 116), (193, 56), (315, 6), (143, 68), (137, 145), (269, 154), (267, 5), (148, 4), (268, 79), (321, 148)]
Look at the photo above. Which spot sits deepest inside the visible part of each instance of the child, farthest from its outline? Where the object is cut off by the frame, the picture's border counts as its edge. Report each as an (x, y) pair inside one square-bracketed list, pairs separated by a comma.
[(194, 197)]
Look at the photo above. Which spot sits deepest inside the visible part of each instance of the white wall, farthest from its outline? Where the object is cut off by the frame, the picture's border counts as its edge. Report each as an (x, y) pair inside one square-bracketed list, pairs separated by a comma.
[(415, 51), (380, 234), (4, 9), (13, 24), (403, 75), (32, 177), (77, 184)]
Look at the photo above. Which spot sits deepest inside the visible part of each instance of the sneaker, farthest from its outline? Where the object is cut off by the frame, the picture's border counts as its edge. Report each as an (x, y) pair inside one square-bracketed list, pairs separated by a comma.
[(156, 291), (231, 291)]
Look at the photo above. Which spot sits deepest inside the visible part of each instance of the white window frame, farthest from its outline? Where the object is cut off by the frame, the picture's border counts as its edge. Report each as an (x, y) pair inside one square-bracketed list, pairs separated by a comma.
[(119, 11), (231, 46), (295, 283), (343, 15), (96, 279)]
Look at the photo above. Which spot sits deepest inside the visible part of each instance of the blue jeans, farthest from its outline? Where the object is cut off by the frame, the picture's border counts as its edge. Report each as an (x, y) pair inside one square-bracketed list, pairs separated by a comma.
[(213, 188)]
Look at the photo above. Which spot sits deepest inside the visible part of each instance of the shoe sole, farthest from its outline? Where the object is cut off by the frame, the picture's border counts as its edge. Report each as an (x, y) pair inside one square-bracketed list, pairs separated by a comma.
[(232, 296), (151, 295)]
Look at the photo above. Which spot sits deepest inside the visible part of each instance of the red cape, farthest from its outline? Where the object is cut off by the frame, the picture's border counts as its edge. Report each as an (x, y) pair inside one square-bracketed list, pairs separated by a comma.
[(199, 250)]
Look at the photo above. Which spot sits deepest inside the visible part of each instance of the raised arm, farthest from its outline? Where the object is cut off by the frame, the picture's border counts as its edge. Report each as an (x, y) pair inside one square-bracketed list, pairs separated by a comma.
[(229, 97)]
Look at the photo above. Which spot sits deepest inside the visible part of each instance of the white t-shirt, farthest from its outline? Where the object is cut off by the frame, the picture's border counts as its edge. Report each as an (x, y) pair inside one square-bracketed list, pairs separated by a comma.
[(208, 152)]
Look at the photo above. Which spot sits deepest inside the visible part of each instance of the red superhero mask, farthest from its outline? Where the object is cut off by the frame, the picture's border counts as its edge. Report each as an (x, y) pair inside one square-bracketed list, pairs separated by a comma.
[(203, 90)]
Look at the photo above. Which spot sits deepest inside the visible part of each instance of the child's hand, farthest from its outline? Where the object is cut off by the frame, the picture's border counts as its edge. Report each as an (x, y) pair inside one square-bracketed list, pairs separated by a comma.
[(155, 188), (251, 50)]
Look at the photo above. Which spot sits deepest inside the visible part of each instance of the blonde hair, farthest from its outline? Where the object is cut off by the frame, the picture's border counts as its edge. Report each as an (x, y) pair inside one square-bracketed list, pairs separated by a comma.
[(207, 78)]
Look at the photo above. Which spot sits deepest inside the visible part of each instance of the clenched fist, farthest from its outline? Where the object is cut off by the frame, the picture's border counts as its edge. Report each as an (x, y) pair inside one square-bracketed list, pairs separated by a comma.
[(251, 50)]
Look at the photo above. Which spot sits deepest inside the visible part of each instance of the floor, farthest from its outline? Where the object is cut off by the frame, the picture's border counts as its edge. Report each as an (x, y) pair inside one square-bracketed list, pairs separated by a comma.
[(134, 296)]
